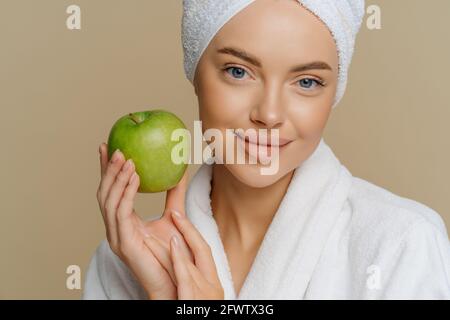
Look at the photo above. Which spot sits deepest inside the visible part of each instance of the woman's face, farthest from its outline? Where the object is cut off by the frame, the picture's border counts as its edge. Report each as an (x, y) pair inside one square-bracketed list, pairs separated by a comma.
[(267, 90)]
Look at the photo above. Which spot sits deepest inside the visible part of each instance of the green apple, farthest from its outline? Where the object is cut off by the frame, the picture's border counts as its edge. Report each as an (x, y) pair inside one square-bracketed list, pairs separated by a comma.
[(145, 137)]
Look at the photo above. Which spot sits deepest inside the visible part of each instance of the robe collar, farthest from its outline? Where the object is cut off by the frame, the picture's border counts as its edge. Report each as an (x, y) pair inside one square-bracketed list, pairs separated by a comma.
[(294, 240)]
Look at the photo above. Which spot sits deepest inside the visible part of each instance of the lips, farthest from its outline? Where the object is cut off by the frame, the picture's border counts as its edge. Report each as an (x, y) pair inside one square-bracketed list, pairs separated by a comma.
[(280, 143)]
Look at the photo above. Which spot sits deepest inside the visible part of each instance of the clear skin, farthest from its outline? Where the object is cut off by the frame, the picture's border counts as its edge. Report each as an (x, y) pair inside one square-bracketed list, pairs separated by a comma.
[(267, 97), (232, 93)]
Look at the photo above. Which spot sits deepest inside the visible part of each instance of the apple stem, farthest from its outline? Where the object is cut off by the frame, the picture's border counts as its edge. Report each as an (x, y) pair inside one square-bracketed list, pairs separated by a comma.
[(134, 118)]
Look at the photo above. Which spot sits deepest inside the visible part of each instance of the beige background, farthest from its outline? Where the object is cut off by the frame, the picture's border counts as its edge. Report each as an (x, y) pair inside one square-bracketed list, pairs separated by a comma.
[(62, 90)]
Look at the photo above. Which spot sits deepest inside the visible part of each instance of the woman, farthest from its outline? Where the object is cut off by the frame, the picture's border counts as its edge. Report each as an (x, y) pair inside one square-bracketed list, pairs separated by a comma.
[(309, 231)]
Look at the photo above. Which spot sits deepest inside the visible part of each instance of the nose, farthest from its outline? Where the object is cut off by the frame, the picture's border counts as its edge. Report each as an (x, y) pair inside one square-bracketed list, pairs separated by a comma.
[(269, 112)]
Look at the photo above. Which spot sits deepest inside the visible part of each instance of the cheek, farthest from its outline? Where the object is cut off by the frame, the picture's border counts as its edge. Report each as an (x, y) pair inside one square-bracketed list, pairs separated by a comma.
[(221, 104), (310, 117)]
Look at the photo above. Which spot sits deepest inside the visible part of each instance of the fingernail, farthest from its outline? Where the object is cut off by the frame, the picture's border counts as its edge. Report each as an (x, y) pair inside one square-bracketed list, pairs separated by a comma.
[(176, 214), (127, 165), (115, 156), (175, 241), (133, 177)]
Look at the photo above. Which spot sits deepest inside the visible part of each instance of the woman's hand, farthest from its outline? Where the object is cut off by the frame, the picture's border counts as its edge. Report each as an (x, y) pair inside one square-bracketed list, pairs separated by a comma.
[(142, 246), (164, 271), (199, 280)]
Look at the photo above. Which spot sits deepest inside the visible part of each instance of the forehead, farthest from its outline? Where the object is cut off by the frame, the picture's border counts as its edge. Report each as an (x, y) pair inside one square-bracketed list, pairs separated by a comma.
[(278, 30)]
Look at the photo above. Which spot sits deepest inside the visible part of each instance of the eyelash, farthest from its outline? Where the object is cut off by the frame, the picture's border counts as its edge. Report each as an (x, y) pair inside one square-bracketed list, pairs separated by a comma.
[(317, 81)]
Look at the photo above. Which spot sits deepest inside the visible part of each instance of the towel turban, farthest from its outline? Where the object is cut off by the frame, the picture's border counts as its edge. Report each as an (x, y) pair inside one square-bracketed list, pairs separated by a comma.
[(202, 19)]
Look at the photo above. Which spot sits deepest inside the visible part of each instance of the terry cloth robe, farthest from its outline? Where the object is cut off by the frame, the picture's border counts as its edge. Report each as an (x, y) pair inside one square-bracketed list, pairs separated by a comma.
[(334, 236)]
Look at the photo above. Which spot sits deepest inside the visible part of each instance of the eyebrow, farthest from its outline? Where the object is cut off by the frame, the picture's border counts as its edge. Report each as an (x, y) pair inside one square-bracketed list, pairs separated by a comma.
[(241, 54)]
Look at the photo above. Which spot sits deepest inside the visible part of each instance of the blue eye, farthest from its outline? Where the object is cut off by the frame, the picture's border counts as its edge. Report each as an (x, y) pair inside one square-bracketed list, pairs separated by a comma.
[(308, 82), (236, 72)]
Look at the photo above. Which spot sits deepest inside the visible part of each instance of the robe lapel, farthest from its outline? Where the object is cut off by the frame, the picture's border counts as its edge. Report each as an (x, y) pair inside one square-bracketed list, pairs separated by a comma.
[(294, 240), (198, 210)]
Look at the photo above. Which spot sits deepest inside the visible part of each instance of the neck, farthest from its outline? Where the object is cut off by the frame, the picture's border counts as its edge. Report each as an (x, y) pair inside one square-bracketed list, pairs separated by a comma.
[(244, 213)]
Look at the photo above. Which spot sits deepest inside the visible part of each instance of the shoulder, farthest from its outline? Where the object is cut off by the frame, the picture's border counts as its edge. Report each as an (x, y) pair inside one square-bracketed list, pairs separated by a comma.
[(404, 239), (379, 210), (381, 221), (108, 277)]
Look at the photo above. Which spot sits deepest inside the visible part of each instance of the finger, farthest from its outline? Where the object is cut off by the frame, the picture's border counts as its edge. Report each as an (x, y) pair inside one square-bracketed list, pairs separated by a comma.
[(156, 278), (197, 277), (195, 273), (103, 159), (117, 189), (175, 197), (125, 210), (102, 193), (113, 167), (185, 287), (162, 254), (200, 248), (114, 197)]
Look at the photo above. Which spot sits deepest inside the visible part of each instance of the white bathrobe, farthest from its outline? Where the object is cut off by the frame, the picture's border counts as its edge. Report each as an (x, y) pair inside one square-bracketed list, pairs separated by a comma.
[(334, 236)]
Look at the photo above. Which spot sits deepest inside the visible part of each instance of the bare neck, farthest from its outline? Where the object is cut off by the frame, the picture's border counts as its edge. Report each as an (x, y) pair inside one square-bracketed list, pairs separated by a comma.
[(243, 213)]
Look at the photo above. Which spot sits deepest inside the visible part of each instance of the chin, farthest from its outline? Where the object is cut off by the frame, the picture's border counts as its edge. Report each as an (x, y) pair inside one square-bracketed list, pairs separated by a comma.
[(250, 174)]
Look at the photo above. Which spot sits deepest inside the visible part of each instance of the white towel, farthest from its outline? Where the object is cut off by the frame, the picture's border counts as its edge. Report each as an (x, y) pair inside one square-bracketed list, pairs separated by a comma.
[(203, 19), (334, 236)]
